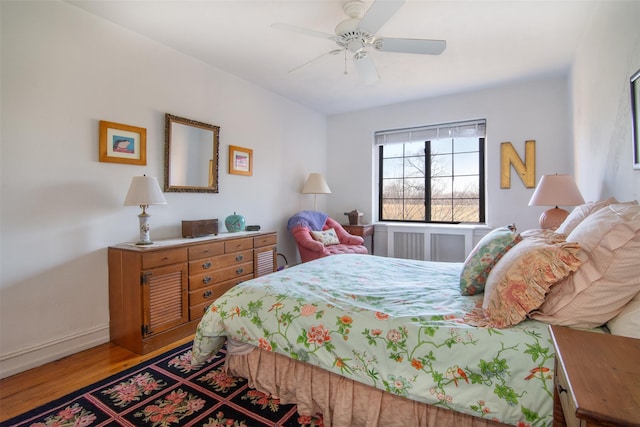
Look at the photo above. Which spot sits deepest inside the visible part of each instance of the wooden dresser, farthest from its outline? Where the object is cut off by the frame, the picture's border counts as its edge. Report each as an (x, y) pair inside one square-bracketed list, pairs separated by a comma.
[(158, 293), (597, 379)]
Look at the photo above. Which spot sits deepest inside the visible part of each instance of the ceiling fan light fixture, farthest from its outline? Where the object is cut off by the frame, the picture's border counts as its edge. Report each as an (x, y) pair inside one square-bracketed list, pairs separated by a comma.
[(360, 55)]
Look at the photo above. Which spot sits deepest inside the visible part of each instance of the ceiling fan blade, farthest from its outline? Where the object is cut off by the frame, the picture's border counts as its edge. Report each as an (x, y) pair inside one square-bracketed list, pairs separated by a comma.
[(378, 14), (419, 46), (366, 69), (305, 31), (331, 52)]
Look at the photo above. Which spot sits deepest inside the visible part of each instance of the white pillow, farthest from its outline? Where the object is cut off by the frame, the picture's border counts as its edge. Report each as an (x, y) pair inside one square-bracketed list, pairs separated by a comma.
[(326, 237), (627, 323)]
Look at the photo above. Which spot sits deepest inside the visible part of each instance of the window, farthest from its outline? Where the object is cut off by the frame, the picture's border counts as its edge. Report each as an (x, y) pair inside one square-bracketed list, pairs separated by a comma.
[(432, 174)]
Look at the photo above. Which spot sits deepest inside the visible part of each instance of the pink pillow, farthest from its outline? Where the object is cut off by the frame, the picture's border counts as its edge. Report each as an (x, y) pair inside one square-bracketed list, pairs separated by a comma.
[(520, 280), (579, 213), (610, 275)]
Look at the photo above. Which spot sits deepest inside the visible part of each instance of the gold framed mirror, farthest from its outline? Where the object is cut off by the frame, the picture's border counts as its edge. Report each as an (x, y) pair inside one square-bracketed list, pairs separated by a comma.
[(190, 155)]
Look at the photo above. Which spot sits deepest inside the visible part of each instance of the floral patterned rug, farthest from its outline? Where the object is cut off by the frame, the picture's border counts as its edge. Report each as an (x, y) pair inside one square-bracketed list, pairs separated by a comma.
[(167, 392)]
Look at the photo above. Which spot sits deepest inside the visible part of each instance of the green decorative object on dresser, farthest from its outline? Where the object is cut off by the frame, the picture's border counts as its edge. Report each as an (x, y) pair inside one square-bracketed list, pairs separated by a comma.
[(234, 223)]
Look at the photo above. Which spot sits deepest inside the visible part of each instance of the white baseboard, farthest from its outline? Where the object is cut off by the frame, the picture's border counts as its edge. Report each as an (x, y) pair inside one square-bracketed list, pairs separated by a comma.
[(31, 357)]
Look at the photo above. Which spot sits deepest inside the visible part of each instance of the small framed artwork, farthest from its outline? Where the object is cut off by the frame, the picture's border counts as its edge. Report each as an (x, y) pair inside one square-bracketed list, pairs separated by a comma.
[(635, 118), (122, 143), (240, 161)]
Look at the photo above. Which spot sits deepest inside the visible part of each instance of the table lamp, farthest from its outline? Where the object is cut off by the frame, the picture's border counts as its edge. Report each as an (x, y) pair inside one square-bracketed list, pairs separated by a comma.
[(144, 191), (315, 185), (555, 190)]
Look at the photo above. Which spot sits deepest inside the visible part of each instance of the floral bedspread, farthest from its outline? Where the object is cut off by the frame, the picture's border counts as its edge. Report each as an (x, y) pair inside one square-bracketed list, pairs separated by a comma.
[(396, 325)]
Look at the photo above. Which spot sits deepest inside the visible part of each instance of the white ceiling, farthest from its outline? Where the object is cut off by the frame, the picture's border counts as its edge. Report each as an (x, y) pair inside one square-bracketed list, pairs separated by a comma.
[(488, 43)]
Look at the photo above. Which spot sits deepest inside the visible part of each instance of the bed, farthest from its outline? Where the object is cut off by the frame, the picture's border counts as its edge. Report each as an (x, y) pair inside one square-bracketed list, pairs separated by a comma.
[(368, 340)]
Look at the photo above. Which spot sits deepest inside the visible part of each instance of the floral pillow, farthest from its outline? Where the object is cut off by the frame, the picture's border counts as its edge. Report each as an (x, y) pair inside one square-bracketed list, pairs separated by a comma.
[(484, 256), (519, 282), (326, 237)]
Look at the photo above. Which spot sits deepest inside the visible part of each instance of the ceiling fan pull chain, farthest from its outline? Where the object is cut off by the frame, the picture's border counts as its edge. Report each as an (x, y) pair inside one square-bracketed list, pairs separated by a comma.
[(345, 62)]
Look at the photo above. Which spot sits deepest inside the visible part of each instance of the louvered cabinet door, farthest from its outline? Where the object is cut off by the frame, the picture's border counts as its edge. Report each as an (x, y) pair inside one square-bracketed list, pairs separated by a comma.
[(164, 298), (265, 256)]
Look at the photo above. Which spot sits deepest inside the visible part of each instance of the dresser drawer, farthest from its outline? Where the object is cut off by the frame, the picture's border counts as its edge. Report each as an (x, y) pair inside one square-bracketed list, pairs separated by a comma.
[(165, 257), (236, 245), (206, 250), (200, 300), (233, 272), (210, 293), (220, 261), (261, 241), (201, 280)]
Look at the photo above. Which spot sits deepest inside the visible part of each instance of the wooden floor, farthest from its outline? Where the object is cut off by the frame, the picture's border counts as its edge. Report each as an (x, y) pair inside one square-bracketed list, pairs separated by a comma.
[(30, 389)]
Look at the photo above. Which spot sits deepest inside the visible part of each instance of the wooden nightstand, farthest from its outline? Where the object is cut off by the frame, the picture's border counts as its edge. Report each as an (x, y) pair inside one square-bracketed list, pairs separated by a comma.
[(597, 379), (362, 230)]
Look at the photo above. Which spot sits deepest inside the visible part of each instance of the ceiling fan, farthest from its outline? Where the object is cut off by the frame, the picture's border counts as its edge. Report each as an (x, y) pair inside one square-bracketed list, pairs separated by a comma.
[(357, 34)]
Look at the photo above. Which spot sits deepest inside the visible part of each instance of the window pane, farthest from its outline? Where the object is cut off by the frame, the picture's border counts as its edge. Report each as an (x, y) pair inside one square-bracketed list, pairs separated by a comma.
[(414, 189), (414, 210), (414, 149), (441, 146), (466, 164), (392, 168), (465, 144), (441, 165), (466, 187), (392, 188), (393, 150), (441, 210), (414, 167), (441, 188), (466, 210), (392, 209)]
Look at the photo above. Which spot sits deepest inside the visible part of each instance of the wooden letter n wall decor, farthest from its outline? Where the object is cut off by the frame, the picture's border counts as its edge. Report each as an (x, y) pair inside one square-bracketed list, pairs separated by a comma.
[(526, 170)]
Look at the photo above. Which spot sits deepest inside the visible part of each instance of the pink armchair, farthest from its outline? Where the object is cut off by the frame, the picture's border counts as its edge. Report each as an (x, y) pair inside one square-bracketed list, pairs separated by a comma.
[(301, 225)]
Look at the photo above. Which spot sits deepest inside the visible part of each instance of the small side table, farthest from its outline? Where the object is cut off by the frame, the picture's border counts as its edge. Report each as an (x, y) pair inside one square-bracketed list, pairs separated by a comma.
[(597, 379), (362, 230)]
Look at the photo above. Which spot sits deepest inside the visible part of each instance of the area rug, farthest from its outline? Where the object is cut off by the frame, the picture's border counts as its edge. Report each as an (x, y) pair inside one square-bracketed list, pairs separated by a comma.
[(167, 392)]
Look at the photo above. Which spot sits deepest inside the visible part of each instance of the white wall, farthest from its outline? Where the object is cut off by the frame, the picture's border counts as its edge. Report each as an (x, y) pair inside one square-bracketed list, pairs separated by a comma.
[(517, 112), (608, 56), (63, 71)]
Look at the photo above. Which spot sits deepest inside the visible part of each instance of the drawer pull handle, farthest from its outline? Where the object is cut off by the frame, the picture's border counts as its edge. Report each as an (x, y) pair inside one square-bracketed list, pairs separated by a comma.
[(239, 257), (240, 270), (207, 294), (561, 389), (206, 265), (207, 280)]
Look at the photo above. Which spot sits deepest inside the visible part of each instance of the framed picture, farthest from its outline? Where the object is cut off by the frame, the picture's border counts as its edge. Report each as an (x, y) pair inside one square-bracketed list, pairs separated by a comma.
[(635, 118), (122, 143), (240, 161)]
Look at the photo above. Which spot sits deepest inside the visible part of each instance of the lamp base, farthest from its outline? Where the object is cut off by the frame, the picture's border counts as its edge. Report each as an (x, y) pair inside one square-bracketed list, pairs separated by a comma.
[(552, 218), (145, 239)]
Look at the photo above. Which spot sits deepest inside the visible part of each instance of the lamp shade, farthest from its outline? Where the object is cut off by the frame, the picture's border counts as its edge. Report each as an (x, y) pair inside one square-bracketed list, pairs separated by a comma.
[(556, 190), (143, 191), (316, 185)]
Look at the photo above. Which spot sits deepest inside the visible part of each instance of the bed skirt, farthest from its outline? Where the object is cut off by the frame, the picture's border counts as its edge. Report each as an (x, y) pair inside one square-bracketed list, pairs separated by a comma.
[(341, 401)]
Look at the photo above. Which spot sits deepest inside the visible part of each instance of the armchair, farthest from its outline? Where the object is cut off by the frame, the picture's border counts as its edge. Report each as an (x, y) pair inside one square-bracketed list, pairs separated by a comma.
[(303, 223)]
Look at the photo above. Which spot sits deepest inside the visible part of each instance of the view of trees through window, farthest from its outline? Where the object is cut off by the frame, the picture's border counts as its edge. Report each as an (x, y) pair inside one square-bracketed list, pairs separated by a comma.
[(441, 180)]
